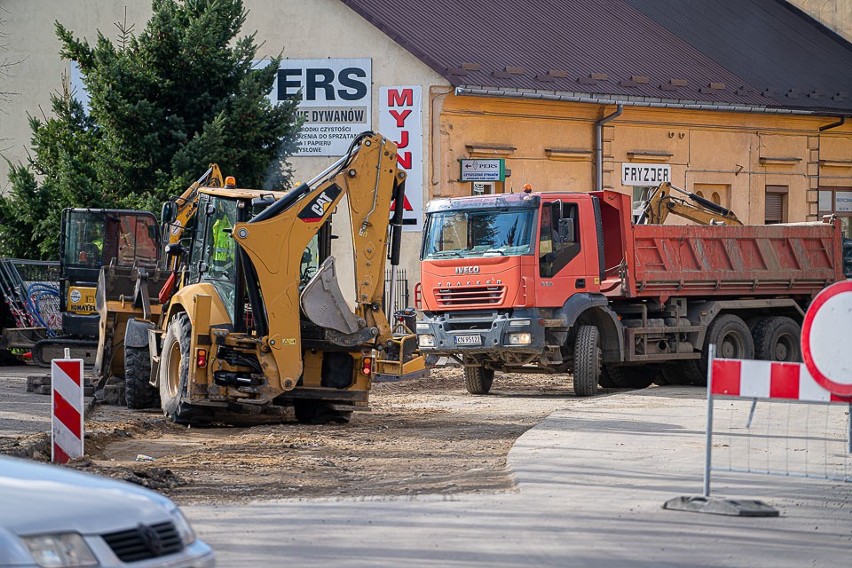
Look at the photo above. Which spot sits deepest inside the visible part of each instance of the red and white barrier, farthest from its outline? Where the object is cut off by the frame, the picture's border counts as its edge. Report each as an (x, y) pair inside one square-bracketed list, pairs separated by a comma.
[(768, 380), (67, 409)]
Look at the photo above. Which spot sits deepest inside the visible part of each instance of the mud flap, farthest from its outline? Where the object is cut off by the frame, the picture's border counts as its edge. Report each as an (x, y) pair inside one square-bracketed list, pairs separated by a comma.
[(323, 302)]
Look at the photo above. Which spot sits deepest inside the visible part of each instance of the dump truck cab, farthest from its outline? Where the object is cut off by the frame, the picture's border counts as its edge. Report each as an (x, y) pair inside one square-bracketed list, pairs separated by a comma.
[(494, 266)]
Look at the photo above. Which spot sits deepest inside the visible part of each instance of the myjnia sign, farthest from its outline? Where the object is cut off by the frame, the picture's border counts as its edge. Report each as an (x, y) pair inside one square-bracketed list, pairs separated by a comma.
[(483, 170)]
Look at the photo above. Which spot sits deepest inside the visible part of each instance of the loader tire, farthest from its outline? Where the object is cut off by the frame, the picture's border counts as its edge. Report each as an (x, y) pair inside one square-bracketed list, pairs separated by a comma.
[(174, 374), (478, 380), (138, 392), (587, 361), (777, 339)]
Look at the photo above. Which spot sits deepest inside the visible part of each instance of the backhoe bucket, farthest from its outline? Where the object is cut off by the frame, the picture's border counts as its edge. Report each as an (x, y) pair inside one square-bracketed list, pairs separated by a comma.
[(323, 302)]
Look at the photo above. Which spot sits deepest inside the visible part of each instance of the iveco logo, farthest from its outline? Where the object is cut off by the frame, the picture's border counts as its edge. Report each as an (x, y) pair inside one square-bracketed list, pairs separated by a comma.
[(467, 270)]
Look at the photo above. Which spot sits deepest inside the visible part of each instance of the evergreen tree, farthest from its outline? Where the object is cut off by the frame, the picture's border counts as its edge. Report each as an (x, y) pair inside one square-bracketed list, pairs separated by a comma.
[(162, 105)]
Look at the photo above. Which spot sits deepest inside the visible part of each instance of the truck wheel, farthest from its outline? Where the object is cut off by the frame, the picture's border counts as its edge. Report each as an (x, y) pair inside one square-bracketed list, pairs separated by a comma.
[(628, 377), (477, 380), (587, 361), (733, 340), (684, 373), (174, 373), (138, 392), (778, 339)]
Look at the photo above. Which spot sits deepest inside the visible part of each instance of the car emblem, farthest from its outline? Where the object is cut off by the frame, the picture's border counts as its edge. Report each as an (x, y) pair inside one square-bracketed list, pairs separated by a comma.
[(150, 539), (467, 270)]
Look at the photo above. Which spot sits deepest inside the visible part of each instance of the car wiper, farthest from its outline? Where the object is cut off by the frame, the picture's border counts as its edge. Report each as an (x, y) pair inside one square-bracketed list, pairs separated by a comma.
[(445, 253), (498, 251)]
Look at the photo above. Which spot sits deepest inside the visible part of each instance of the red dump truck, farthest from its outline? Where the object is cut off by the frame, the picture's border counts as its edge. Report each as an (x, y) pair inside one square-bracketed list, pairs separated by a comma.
[(567, 283)]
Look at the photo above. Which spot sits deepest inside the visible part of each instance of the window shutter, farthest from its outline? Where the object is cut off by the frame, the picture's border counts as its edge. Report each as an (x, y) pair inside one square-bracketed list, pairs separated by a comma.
[(774, 207)]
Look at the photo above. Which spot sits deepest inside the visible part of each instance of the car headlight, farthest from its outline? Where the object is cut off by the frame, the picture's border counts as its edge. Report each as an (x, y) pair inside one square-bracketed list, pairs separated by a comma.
[(426, 340), (520, 339), (422, 327), (66, 549), (519, 323), (187, 535)]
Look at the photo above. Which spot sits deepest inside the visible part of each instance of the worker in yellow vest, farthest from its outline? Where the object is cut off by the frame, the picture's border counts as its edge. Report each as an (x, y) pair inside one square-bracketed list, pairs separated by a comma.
[(223, 246)]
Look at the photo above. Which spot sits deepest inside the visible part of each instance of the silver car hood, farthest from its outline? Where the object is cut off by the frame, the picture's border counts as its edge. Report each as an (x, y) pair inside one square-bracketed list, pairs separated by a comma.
[(41, 499)]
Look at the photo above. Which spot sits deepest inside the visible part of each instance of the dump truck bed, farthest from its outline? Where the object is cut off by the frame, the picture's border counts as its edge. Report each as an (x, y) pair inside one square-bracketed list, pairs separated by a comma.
[(661, 261)]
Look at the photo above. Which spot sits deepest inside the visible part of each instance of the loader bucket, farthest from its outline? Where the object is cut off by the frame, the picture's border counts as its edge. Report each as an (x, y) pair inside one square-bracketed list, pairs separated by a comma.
[(124, 292)]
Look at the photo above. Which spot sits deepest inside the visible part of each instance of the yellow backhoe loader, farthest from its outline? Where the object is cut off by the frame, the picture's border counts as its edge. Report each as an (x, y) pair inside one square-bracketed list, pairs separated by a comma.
[(247, 315)]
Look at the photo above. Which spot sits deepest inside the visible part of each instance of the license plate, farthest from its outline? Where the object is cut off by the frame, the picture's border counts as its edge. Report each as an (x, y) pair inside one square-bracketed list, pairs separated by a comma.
[(468, 340)]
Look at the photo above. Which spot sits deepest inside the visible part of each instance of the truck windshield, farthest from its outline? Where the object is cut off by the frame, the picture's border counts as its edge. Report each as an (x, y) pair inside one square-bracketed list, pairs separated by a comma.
[(478, 233)]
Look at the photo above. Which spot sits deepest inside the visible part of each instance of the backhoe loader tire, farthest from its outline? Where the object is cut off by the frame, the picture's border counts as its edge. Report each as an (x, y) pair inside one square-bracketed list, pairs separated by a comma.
[(174, 374), (138, 392), (318, 412), (628, 377), (587, 361), (478, 380)]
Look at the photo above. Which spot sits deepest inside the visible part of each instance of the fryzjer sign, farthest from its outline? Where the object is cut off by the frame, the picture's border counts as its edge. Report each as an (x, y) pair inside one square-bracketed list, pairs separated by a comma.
[(400, 119), (645, 174), (335, 105)]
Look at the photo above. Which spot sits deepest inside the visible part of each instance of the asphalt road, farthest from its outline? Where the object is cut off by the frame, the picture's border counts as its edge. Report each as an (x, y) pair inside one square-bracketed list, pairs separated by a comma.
[(591, 481), (22, 412)]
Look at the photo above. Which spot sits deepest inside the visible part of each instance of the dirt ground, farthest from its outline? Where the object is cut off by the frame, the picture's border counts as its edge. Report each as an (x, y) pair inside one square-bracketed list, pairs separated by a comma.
[(422, 436)]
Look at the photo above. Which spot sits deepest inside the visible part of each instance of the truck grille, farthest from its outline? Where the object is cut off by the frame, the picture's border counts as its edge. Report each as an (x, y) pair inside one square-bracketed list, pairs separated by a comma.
[(145, 542), (469, 295)]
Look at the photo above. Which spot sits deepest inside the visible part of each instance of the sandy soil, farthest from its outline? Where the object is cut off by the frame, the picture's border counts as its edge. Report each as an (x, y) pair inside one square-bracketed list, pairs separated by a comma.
[(422, 436)]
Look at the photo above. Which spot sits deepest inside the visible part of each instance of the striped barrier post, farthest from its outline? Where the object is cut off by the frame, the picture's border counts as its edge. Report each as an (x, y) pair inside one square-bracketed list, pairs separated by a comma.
[(66, 399)]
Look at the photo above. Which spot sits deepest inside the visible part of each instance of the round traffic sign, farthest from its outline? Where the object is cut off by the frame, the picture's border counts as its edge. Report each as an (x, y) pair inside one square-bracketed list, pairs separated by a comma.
[(826, 330)]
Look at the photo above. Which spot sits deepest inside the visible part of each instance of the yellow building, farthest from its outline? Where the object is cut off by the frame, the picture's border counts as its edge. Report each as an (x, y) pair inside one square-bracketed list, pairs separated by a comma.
[(742, 101)]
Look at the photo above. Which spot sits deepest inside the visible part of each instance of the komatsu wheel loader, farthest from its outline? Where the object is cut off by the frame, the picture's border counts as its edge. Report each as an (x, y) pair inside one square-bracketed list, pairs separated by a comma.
[(250, 316)]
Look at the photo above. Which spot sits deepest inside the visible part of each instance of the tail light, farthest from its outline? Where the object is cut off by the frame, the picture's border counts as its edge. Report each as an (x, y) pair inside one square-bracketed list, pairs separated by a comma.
[(200, 358), (367, 366)]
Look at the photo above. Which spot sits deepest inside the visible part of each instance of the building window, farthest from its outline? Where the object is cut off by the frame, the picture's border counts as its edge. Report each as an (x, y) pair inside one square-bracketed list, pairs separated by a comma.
[(776, 204), (718, 193), (838, 201)]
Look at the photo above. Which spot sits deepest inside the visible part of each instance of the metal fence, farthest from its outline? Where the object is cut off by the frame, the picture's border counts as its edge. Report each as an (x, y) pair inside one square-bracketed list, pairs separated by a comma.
[(401, 297)]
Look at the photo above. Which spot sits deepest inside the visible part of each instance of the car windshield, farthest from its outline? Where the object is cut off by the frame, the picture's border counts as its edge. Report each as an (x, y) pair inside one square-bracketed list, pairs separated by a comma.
[(468, 233)]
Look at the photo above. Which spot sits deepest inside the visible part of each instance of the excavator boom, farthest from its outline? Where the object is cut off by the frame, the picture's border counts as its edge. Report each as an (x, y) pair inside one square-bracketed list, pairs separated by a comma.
[(691, 206)]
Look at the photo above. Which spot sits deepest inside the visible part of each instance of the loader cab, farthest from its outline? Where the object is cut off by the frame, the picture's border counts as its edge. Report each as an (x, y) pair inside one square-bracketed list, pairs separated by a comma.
[(214, 257), (89, 239), (213, 253)]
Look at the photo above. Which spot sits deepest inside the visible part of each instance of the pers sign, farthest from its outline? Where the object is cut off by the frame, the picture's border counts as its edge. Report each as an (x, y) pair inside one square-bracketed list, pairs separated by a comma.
[(336, 101)]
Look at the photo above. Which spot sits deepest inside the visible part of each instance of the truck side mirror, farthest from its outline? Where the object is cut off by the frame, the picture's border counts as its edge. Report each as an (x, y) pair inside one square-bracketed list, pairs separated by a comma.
[(167, 214), (565, 230)]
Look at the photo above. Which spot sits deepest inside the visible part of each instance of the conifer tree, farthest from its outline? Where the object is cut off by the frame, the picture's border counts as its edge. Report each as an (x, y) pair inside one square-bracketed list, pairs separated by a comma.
[(162, 105)]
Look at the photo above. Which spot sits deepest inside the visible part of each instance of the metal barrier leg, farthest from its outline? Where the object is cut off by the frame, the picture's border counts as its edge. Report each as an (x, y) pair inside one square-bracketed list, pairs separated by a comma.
[(708, 444)]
